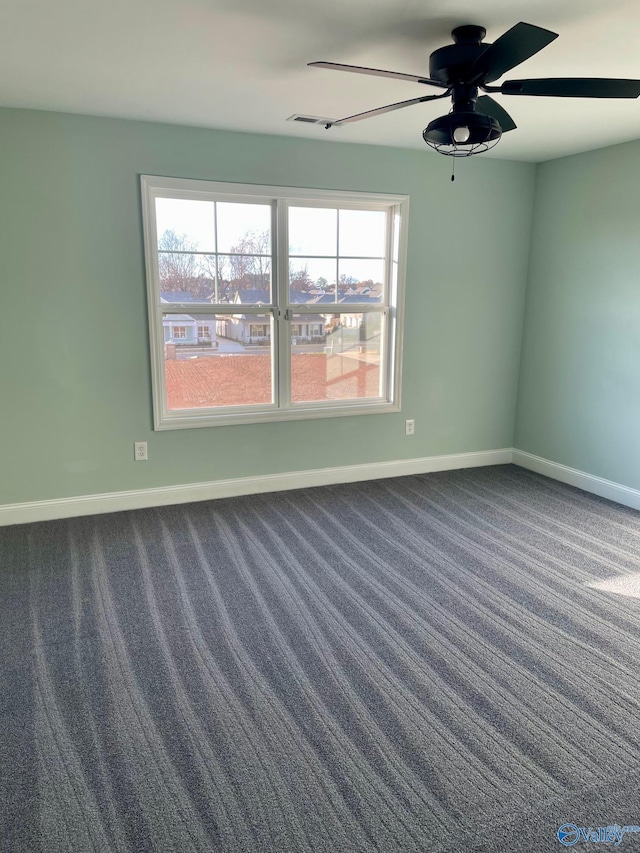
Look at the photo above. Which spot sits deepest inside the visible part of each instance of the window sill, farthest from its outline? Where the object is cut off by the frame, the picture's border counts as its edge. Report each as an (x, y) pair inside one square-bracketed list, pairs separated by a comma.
[(191, 419)]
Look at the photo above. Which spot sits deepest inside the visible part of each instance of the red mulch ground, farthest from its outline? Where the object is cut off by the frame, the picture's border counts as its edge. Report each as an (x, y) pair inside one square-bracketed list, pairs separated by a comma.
[(236, 380)]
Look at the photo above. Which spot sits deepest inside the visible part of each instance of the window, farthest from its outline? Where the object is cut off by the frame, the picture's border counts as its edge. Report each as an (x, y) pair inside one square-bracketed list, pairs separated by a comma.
[(301, 291)]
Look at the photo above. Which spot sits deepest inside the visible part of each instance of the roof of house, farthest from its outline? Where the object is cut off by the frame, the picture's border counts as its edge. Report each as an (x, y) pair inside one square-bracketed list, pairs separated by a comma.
[(360, 299), (180, 318), (301, 297), (322, 299), (253, 296), (298, 296), (178, 296), (308, 318), (181, 296), (261, 319)]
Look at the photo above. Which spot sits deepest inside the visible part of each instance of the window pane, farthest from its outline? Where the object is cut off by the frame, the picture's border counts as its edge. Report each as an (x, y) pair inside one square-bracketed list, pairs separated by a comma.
[(340, 360), (244, 228), (186, 277), (312, 231), (361, 280), (362, 232), (185, 226), (217, 360), (308, 333), (312, 280), (244, 278)]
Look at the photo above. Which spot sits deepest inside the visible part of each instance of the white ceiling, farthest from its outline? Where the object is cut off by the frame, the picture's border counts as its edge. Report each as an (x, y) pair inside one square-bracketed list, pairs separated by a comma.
[(241, 64)]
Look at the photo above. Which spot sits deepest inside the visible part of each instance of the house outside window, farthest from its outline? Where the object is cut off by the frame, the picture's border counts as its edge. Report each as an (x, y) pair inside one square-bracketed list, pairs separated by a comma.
[(303, 290), (258, 331)]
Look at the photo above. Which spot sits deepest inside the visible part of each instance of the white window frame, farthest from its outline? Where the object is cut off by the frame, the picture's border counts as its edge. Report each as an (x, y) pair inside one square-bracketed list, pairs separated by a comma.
[(280, 198)]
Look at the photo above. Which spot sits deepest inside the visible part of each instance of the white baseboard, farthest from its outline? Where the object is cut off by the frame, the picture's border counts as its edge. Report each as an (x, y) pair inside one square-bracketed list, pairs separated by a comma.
[(588, 482), (20, 513)]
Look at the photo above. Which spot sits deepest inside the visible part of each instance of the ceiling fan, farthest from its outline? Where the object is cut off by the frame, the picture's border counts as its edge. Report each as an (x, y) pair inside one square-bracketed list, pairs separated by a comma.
[(475, 123)]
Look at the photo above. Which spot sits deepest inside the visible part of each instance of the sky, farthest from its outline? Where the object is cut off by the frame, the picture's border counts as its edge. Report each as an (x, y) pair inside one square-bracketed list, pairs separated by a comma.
[(313, 232)]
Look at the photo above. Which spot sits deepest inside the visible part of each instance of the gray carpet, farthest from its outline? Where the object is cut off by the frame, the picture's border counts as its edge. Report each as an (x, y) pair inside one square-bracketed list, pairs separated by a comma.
[(416, 664)]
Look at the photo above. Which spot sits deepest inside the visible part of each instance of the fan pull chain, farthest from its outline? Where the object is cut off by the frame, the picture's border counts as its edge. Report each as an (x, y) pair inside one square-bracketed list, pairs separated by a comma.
[(453, 168)]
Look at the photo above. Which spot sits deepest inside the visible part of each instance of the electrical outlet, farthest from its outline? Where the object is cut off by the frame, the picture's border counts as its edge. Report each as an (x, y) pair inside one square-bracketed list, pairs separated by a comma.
[(410, 427), (140, 451)]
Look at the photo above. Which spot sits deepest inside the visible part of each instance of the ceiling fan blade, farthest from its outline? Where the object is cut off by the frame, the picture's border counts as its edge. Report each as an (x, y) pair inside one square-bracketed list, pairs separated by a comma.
[(377, 72), (513, 47), (576, 87), (388, 109), (489, 107)]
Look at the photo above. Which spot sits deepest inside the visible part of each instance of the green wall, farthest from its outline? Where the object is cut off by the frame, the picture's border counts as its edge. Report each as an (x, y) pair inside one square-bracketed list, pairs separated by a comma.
[(74, 370), (579, 398)]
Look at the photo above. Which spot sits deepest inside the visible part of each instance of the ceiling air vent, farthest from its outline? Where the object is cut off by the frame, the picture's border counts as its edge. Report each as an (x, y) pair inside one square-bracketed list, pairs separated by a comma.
[(311, 119)]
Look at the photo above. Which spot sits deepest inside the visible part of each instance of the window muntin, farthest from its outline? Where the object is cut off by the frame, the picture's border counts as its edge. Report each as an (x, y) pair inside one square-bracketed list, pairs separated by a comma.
[(211, 249), (253, 270), (337, 252)]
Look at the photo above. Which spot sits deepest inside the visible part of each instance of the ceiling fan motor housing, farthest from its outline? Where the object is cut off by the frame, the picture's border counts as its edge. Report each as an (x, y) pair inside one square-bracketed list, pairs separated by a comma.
[(448, 63)]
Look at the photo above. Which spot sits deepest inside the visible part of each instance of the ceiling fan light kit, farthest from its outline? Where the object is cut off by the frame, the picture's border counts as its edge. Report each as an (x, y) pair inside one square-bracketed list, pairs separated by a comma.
[(476, 123), (461, 134)]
